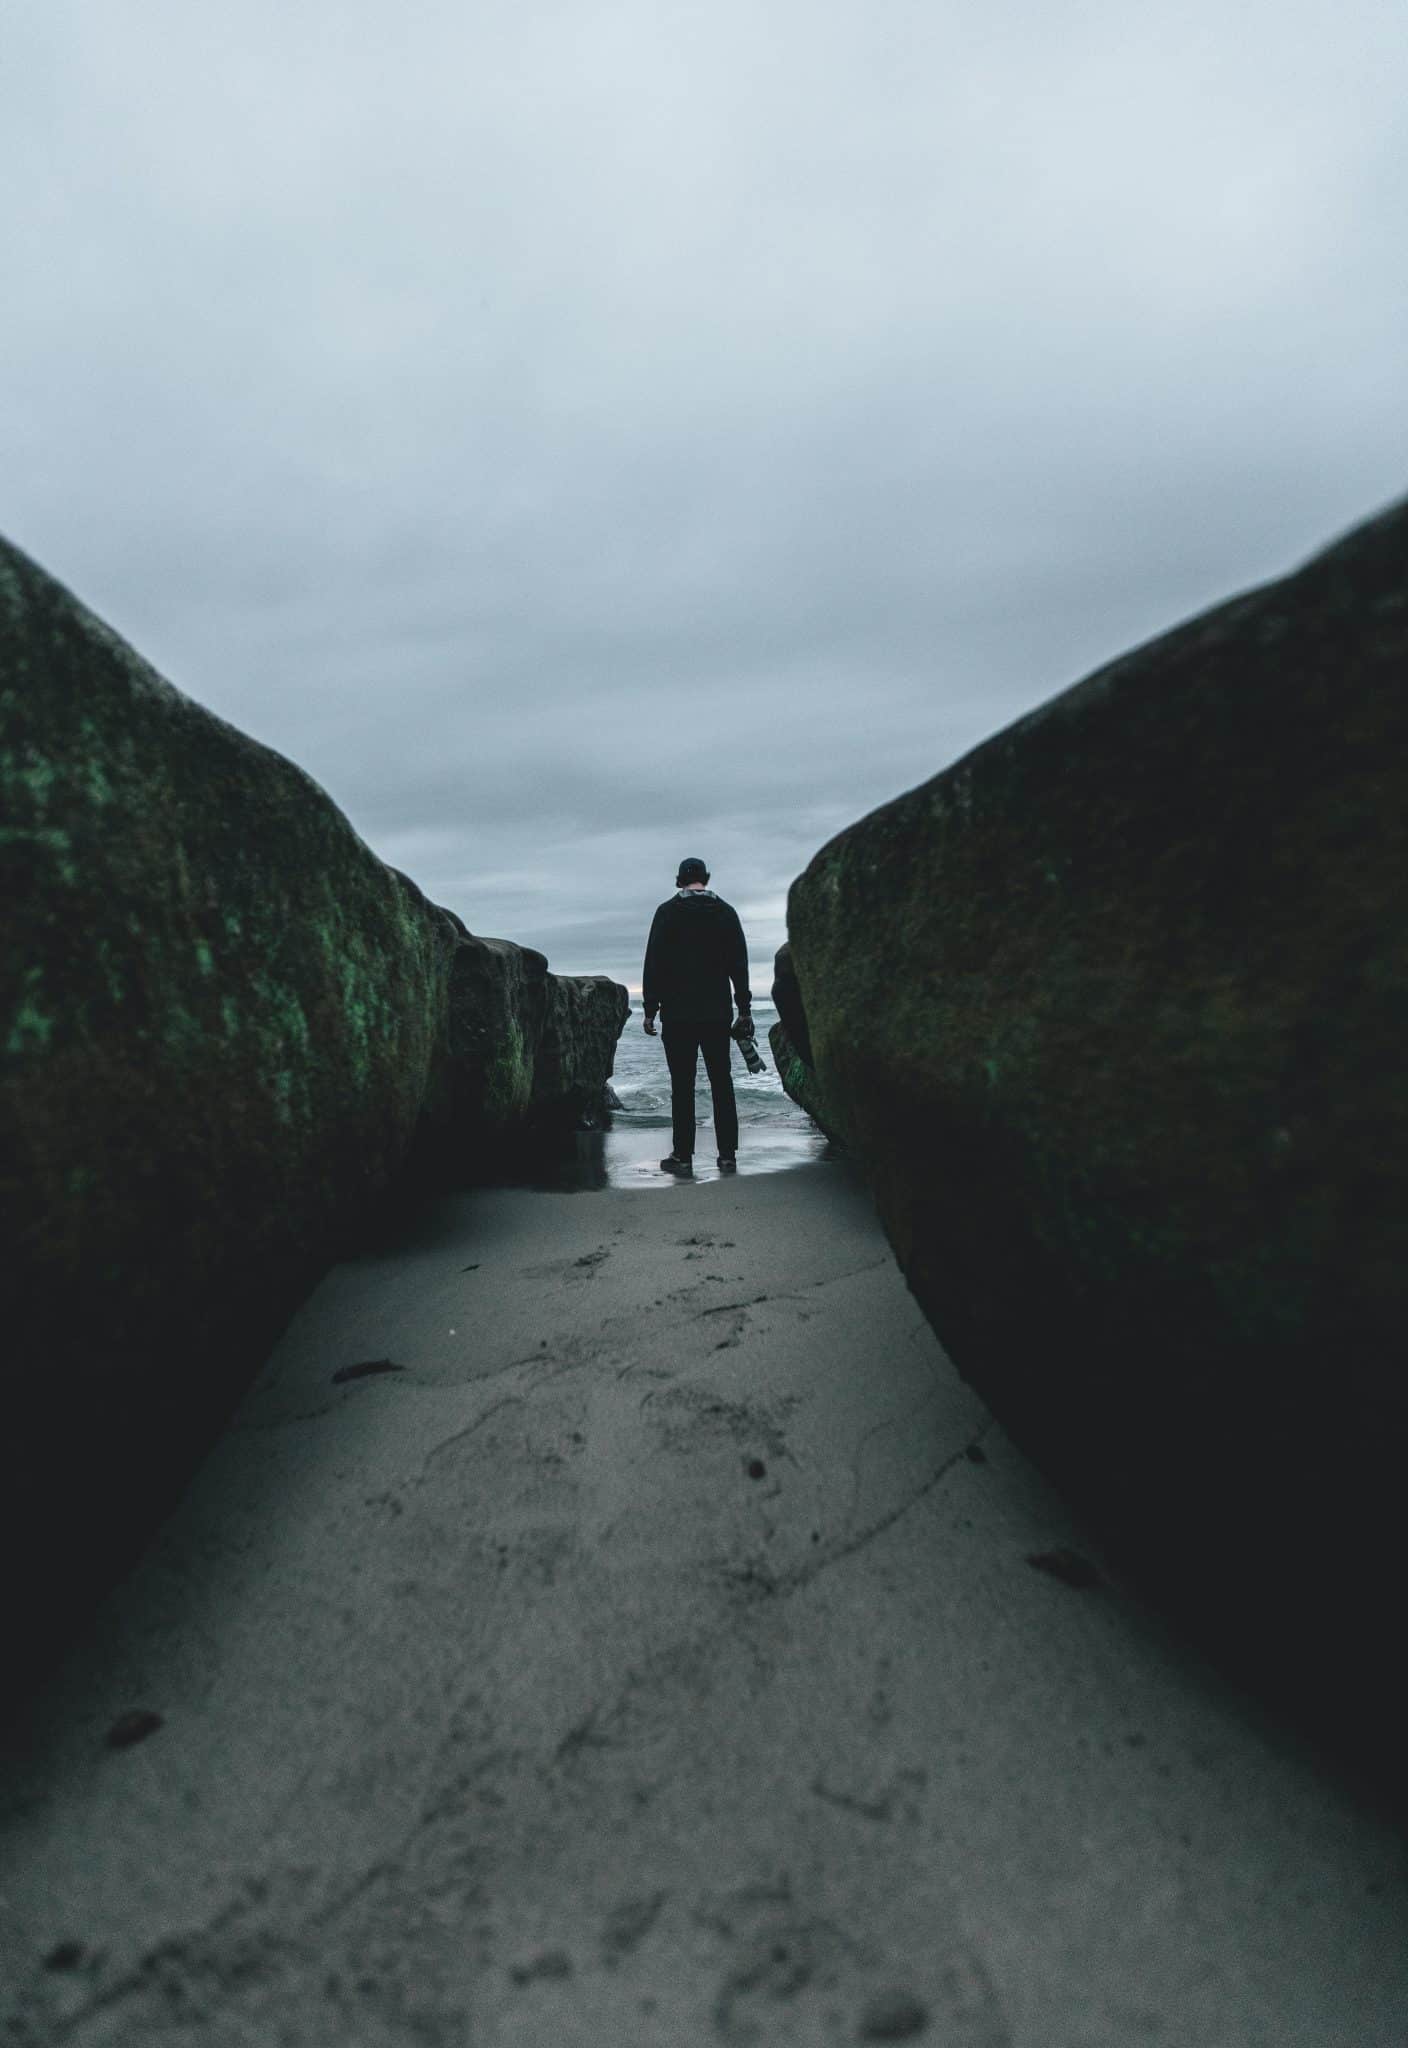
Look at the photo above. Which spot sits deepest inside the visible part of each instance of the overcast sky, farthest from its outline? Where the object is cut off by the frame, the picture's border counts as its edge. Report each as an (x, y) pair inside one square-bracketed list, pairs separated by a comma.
[(587, 434)]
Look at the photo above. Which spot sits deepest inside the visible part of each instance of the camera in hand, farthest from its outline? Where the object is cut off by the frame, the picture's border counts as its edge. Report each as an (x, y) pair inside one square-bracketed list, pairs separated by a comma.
[(743, 1031)]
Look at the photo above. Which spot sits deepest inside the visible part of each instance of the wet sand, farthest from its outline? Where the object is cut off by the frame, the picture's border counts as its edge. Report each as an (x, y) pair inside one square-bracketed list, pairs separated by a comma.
[(610, 1622)]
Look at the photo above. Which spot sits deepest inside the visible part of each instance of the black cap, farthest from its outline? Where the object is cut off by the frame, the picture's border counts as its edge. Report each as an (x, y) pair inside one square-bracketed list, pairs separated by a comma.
[(691, 871)]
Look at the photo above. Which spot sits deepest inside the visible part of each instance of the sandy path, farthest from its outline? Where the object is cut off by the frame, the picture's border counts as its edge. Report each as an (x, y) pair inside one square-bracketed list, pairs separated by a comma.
[(655, 1660)]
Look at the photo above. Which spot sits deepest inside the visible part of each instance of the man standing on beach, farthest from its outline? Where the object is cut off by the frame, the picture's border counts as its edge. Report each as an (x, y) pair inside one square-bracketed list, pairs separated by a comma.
[(695, 950)]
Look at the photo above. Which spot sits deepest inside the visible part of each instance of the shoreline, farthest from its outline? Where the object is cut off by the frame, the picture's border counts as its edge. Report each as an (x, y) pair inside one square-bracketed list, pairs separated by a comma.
[(624, 1158), (616, 1621)]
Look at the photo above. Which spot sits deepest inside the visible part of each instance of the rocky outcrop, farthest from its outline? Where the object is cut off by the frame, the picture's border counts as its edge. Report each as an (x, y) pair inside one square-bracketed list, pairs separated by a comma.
[(529, 1055), (530, 1052), (787, 1001), (792, 1047), (228, 1029), (1113, 1013)]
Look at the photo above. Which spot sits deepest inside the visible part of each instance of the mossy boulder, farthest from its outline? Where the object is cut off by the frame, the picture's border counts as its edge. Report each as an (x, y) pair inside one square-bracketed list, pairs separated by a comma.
[(1113, 1012), (226, 1028), (583, 1017), (530, 1052), (787, 1000), (791, 1045)]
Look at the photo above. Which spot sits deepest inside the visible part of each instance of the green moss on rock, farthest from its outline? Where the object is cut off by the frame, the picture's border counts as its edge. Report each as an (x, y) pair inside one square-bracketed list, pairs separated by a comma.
[(1113, 1014), (228, 1029)]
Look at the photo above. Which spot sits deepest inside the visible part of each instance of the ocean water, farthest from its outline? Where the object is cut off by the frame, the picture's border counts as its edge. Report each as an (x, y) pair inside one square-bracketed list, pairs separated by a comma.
[(772, 1132)]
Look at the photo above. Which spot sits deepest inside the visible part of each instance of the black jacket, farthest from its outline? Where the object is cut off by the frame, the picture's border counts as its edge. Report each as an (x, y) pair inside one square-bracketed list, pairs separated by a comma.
[(696, 948)]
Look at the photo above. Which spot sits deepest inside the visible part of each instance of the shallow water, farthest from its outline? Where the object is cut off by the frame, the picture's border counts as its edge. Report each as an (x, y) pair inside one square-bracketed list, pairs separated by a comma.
[(773, 1134), (632, 1158), (627, 1158)]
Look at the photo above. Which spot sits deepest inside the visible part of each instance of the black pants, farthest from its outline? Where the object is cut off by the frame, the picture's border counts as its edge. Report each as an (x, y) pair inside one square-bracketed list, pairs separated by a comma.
[(684, 1041)]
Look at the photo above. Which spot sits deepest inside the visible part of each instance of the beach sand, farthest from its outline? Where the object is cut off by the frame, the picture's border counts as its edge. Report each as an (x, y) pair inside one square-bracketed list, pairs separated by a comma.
[(658, 1657)]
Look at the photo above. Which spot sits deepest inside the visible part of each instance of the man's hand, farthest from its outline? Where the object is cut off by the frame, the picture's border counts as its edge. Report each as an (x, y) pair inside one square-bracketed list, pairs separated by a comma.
[(650, 1026)]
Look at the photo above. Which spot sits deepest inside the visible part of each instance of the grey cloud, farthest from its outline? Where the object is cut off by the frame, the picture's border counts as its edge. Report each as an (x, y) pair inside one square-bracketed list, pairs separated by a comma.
[(580, 434)]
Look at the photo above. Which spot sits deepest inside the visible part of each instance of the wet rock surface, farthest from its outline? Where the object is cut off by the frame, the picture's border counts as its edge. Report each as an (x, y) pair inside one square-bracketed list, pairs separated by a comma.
[(1113, 1014), (230, 1032), (787, 997), (791, 1045), (530, 1052)]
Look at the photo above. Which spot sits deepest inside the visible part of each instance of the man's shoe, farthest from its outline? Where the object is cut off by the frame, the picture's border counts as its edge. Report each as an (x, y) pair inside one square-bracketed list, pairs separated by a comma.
[(683, 1169), (727, 1163)]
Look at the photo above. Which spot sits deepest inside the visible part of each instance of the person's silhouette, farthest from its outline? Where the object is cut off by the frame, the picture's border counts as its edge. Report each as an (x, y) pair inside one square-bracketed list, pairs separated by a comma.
[(696, 968)]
